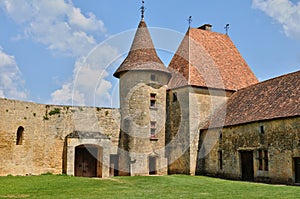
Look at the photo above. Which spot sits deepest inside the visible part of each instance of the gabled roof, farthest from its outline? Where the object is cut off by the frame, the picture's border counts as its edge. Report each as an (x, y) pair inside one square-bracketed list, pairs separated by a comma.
[(142, 55), (271, 99), (209, 59)]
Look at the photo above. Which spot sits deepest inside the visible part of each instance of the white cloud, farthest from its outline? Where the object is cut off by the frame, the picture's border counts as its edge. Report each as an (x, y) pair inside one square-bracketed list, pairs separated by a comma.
[(58, 24), (64, 29), (89, 80), (285, 12), (65, 95), (11, 84)]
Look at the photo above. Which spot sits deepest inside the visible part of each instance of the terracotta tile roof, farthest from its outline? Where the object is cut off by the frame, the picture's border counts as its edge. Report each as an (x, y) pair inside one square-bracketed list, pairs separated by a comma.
[(142, 55), (210, 59), (271, 99)]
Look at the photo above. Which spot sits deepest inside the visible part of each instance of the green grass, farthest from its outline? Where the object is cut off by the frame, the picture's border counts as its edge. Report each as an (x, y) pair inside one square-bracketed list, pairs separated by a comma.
[(176, 186)]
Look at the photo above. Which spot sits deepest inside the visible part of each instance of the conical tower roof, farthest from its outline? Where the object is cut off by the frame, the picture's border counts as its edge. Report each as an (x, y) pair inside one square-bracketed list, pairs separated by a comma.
[(142, 55)]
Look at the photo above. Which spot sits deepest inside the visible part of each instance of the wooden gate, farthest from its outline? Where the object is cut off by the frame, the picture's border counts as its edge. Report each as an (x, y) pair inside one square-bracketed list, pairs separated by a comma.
[(86, 161)]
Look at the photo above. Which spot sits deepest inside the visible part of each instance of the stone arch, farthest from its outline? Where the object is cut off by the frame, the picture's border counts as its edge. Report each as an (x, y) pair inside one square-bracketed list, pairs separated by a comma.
[(85, 144), (20, 135)]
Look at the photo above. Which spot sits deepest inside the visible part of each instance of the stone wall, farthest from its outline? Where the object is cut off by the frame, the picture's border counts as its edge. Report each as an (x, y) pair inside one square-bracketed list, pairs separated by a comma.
[(136, 142), (185, 117), (43, 147), (280, 138)]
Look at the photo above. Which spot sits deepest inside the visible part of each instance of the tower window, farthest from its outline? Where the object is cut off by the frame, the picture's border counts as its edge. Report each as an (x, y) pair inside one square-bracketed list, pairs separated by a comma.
[(152, 100), (153, 77), (20, 135), (152, 129), (175, 97)]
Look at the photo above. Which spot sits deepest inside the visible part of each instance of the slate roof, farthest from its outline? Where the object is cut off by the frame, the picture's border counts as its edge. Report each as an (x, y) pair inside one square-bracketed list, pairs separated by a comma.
[(209, 59), (142, 55), (271, 99)]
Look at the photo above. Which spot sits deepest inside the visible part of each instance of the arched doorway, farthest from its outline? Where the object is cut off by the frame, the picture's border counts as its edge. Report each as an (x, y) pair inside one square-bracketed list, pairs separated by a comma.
[(88, 161)]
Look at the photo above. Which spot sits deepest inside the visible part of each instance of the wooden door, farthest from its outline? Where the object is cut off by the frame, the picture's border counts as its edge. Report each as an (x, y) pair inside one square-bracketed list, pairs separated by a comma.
[(86, 162), (297, 170), (152, 165), (247, 165)]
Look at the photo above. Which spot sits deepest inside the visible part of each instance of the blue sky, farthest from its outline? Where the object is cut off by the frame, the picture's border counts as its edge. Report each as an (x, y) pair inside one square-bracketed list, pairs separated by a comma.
[(45, 44)]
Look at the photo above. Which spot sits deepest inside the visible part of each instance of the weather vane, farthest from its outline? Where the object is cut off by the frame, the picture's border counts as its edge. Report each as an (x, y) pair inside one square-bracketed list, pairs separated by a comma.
[(226, 28), (190, 21), (143, 9)]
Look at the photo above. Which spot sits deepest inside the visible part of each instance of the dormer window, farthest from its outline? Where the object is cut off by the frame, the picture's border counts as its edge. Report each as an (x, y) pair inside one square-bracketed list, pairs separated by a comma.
[(153, 78)]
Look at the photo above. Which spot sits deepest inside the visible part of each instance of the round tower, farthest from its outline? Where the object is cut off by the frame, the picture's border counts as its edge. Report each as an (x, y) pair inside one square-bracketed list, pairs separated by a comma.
[(143, 84)]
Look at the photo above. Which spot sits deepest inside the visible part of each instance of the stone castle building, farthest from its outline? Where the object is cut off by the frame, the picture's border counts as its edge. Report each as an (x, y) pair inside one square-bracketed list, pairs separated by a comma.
[(206, 113)]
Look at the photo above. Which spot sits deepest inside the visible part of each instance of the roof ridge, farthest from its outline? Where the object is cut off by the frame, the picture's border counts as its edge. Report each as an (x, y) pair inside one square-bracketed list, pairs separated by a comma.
[(272, 79), (261, 102)]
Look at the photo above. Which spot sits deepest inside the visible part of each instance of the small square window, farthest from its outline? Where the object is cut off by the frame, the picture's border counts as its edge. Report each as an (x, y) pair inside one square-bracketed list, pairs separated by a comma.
[(153, 125), (152, 129), (152, 103), (153, 132), (152, 96), (152, 100)]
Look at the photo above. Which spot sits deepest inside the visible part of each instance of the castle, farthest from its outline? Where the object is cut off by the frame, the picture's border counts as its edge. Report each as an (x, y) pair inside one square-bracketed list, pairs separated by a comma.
[(206, 113)]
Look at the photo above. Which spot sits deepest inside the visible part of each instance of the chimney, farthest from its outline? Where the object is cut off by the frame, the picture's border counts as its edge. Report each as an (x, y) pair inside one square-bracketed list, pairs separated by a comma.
[(207, 27)]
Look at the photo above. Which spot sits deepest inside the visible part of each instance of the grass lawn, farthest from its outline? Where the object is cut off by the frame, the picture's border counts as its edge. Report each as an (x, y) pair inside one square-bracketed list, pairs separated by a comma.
[(176, 186)]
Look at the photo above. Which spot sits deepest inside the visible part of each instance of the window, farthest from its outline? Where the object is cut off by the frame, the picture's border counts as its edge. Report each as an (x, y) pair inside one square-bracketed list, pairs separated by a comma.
[(152, 100), (263, 162), (220, 160), (152, 129), (220, 136), (153, 77), (175, 97), (261, 129), (20, 135)]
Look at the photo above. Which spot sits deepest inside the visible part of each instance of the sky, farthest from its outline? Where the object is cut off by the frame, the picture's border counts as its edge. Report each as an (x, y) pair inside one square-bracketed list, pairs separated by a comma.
[(65, 51)]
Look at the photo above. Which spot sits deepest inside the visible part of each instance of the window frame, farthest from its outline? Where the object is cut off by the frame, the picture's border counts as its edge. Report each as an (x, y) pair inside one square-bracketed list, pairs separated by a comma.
[(263, 159), (153, 100)]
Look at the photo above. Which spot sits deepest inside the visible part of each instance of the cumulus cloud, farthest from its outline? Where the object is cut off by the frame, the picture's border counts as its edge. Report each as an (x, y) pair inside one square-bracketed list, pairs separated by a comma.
[(63, 28), (11, 83), (285, 12), (58, 24), (89, 80)]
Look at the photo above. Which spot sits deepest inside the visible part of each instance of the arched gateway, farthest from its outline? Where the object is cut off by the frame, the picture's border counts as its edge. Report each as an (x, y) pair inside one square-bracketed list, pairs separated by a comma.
[(88, 161), (88, 154)]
